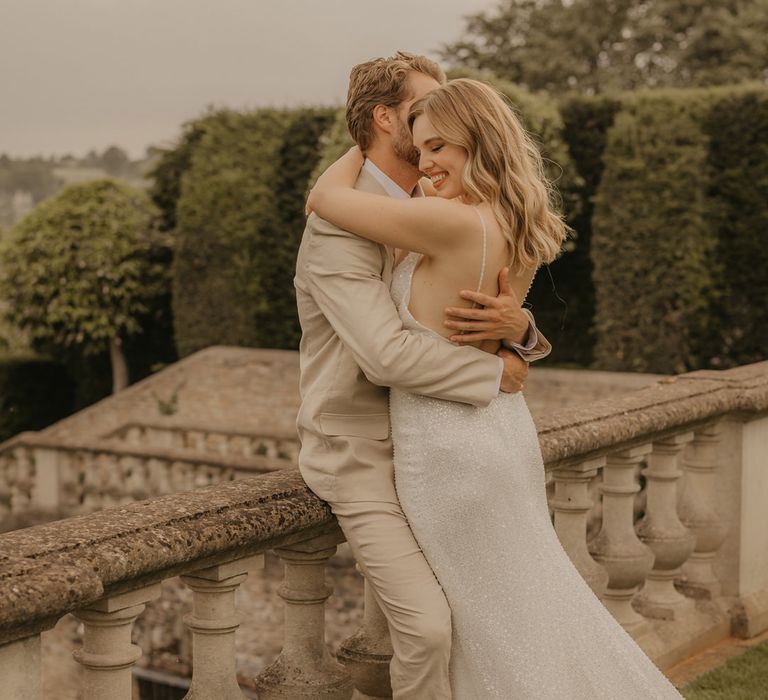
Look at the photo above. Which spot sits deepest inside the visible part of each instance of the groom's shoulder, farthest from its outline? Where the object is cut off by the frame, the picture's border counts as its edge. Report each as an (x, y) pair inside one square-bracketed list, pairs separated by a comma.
[(320, 227)]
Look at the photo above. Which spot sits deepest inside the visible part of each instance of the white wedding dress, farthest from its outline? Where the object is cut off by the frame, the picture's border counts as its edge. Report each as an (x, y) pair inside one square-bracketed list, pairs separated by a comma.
[(526, 626)]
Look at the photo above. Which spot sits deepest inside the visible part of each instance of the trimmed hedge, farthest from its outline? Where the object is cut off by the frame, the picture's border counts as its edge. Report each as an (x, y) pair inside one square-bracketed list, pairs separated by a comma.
[(731, 199), (737, 127), (334, 143), (673, 183), (34, 392), (586, 121), (239, 218), (651, 244)]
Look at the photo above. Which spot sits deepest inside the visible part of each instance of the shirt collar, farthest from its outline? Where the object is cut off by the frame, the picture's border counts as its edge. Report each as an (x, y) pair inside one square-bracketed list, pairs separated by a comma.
[(391, 187)]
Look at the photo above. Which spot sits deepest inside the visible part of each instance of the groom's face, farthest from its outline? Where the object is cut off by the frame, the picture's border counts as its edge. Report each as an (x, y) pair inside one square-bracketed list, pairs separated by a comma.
[(419, 85)]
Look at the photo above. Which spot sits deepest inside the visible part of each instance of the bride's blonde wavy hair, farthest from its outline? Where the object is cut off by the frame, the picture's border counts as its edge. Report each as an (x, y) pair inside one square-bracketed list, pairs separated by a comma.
[(504, 166)]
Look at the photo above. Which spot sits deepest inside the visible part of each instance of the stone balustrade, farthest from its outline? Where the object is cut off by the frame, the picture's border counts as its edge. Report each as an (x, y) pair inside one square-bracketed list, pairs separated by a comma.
[(52, 477), (278, 445), (658, 497)]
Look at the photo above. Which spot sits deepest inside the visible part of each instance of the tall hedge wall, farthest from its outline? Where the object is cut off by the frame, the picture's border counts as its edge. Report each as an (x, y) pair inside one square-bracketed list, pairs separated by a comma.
[(666, 191), (651, 244), (737, 127), (679, 231), (586, 122), (239, 216)]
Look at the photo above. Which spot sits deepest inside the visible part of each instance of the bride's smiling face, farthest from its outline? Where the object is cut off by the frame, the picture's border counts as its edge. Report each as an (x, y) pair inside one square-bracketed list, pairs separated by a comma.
[(441, 161)]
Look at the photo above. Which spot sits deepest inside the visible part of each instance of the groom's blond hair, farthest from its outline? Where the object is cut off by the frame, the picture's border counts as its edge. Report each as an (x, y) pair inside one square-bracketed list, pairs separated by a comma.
[(382, 81)]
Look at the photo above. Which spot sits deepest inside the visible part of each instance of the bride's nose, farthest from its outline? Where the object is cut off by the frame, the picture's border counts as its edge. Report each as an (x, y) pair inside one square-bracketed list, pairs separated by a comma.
[(425, 163)]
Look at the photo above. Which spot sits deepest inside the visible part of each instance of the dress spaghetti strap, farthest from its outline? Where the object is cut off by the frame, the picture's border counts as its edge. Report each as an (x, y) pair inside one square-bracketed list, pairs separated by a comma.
[(485, 250)]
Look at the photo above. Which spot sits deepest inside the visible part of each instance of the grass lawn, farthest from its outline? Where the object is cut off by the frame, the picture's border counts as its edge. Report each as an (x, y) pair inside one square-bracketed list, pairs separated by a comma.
[(743, 677)]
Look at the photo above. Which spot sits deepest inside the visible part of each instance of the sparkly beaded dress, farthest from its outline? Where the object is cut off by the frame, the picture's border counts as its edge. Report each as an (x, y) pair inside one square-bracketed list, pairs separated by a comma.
[(526, 626)]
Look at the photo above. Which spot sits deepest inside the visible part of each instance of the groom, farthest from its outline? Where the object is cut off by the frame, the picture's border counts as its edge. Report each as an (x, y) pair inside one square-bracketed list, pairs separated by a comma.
[(353, 347)]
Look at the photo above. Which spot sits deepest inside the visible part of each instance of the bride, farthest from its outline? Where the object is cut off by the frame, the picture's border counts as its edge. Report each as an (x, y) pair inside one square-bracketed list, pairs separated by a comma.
[(470, 480)]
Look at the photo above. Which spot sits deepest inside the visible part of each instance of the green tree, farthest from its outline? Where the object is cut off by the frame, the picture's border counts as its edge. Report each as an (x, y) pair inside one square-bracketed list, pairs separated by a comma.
[(115, 161), (595, 46), (83, 268)]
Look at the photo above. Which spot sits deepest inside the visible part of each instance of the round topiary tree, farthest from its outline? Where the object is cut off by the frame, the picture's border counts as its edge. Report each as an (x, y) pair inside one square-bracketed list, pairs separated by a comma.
[(82, 269)]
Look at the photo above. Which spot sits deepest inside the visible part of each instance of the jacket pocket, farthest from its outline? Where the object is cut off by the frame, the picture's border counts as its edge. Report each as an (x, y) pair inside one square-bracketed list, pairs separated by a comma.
[(371, 425)]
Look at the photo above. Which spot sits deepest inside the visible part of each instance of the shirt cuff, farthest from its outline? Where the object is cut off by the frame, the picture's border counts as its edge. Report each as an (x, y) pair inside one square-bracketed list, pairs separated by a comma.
[(533, 340), (498, 379)]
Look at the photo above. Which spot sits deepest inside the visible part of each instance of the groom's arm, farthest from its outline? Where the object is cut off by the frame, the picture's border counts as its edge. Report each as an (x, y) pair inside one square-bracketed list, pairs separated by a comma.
[(344, 276)]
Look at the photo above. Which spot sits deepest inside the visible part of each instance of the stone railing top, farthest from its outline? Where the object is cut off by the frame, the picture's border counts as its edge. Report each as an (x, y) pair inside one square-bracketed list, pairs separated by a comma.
[(49, 570), (229, 429), (254, 463), (676, 402)]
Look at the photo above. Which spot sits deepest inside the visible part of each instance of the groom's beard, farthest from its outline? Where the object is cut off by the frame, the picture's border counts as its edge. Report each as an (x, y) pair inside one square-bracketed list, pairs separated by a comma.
[(403, 145)]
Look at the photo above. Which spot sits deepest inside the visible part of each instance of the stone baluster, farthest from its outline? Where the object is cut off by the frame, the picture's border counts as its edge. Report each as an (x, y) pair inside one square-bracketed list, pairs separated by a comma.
[(367, 653), (698, 513), (213, 622), (20, 670), (112, 483), (616, 546), (181, 476), (23, 472), (661, 529), (69, 484), (157, 473), (107, 655), (125, 465), (238, 445), (201, 476), (91, 485), (304, 668), (134, 435), (194, 440), (571, 505), (77, 470), (48, 480)]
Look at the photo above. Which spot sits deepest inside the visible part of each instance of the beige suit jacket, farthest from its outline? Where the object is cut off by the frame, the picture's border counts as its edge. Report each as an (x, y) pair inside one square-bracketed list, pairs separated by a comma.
[(353, 347)]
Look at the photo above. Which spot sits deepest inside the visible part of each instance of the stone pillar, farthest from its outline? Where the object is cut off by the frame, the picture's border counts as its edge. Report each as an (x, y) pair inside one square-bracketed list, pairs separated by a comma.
[(661, 529), (20, 670), (698, 513), (213, 622), (616, 546), (571, 504), (304, 668), (107, 654), (367, 653)]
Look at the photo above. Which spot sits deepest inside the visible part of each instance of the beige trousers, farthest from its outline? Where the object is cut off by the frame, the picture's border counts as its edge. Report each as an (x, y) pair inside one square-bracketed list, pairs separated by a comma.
[(408, 593)]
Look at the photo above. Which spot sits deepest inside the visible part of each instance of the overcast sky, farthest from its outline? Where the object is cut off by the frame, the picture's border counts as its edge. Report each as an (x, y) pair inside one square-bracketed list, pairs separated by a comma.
[(82, 74)]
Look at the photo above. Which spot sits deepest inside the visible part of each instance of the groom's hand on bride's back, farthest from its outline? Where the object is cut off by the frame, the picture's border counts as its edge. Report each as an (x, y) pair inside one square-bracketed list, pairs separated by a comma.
[(500, 318), (515, 371)]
